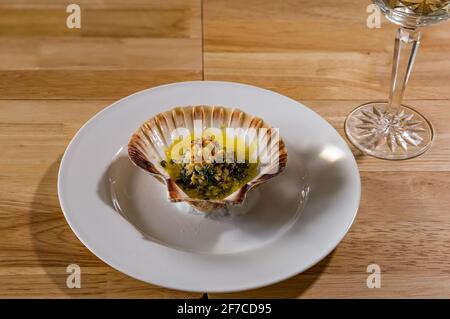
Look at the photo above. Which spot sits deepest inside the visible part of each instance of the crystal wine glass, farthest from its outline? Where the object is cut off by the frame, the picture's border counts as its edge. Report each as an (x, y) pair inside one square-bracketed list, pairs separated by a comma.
[(391, 130)]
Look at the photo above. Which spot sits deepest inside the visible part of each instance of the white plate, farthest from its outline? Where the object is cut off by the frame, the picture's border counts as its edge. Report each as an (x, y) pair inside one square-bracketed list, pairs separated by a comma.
[(121, 214)]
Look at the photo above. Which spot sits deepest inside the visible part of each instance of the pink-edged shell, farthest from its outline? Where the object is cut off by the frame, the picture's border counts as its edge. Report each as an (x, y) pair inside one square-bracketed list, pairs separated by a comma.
[(147, 146)]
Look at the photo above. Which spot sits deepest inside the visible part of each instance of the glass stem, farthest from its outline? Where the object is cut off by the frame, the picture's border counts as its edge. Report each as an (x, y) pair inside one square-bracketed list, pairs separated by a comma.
[(406, 45)]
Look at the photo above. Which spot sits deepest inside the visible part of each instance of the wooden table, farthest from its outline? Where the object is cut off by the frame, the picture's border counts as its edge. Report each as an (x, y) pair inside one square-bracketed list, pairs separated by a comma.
[(53, 79)]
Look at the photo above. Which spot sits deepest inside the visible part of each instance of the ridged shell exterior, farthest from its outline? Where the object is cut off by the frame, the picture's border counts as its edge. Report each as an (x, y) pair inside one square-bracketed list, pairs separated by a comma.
[(146, 148)]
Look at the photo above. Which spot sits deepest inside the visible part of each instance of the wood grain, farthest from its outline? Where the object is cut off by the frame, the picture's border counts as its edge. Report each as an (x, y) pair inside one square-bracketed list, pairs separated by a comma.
[(316, 50), (52, 80), (37, 244), (120, 48), (402, 225), (329, 60)]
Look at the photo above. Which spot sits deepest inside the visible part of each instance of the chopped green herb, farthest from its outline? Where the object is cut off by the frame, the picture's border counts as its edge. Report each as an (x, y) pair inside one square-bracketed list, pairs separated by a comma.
[(210, 179)]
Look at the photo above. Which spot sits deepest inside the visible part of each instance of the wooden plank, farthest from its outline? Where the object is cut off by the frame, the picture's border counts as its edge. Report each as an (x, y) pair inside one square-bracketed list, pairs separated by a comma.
[(316, 50), (101, 4), (35, 265), (26, 125), (85, 84), (174, 19), (402, 225), (45, 69), (119, 49), (322, 54)]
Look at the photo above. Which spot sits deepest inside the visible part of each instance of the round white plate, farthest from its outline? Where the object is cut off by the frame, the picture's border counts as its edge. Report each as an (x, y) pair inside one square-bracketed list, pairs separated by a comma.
[(122, 215)]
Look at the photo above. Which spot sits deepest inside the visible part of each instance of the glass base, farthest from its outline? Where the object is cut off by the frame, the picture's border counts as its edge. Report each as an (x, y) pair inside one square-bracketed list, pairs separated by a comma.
[(396, 135)]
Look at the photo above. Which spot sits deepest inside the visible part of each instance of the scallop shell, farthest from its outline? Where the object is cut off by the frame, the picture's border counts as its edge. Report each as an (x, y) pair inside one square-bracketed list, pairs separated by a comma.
[(147, 146)]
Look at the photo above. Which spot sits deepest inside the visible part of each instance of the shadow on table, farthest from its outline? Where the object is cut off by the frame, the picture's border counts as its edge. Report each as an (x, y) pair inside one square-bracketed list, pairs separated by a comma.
[(291, 288), (56, 246)]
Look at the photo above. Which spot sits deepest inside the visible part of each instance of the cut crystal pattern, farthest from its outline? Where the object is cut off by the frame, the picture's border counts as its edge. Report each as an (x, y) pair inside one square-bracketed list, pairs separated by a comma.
[(396, 130)]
